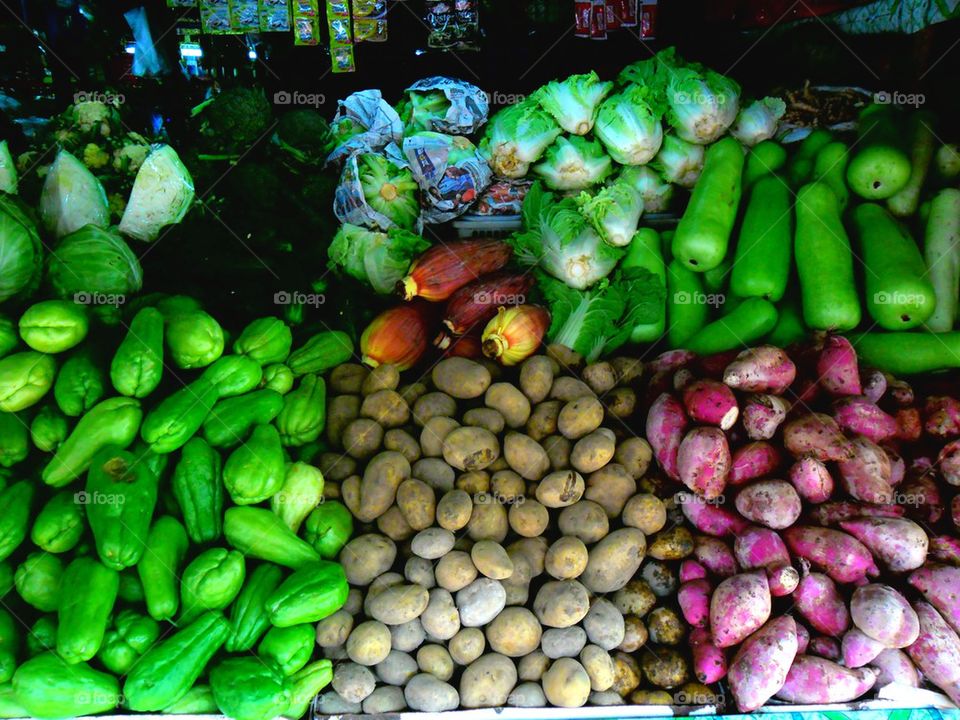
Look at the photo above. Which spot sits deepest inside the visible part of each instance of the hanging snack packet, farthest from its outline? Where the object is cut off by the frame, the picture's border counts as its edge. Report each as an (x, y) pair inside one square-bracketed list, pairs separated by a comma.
[(306, 22), (341, 39), (215, 17), (274, 16)]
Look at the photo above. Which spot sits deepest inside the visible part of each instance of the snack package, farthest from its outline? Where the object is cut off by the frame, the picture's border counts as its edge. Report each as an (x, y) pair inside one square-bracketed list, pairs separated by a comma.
[(182, 3), (215, 17), (450, 172), (369, 20), (341, 39), (468, 108), (364, 122), (244, 16), (274, 15), (306, 22), (503, 197)]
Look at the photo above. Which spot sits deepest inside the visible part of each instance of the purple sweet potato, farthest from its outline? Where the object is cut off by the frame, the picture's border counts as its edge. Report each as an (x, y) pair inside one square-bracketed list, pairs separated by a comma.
[(922, 494), (837, 367), (710, 402), (703, 461), (763, 414), (949, 461), (909, 424), (937, 651), (762, 662), (817, 681), (666, 424), (803, 639), (874, 385), (860, 416), (940, 585), (691, 570), (859, 649), (898, 468), (819, 602), (709, 661), (811, 479), (941, 416), (682, 378), (739, 606), (752, 461), (758, 547), (832, 513), (901, 391), (763, 369), (945, 549), (772, 503), (671, 360), (825, 647), (694, 600), (899, 543), (817, 435), (895, 666), (866, 475), (883, 614), (783, 579), (709, 517), (842, 556), (715, 555)]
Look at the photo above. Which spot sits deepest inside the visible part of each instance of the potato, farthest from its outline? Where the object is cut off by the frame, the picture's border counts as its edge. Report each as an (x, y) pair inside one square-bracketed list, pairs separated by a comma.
[(607, 698), (485, 417), (417, 503), (441, 619), (526, 456), (419, 571), (480, 602), (497, 465), (408, 636), (508, 487), (387, 580), (610, 487), (566, 558), (604, 624), (563, 642), (564, 357), (470, 448), (534, 549), (350, 494), (660, 576), (635, 634), (515, 632), (454, 510), (491, 560), (366, 557), (386, 407), (354, 603), (635, 598), (347, 379), (580, 417), (694, 693), (510, 402), (432, 543), (461, 378), (336, 467), (645, 512), (435, 659), (627, 369), (394, 525), (620, 402), (330, 703), (412, 392), (527, 695), (635, 454), (455, 571), (341, 411), (543, 420), (651, 697), (369, 643), (566, 683), (425, 693), (431, 405), (585, 520), (673, 544), (593, 451), (382, 377), (334, 629), (399, 604), (600, 377), (626, 673), (362, 438), (599, 666), (560, 488), (331, 490), (384, 700), (517, 585), (488, 521), (402, 442), (529, 518), (664, 667), (473, 482), (336, 654), (665, 626), (467, 645), (353, 682), (435, 473), (568, 389), (435, 430), (614, 560), (487, 681), (378, 486), (558, 450), (532, 666), (536, 377), (561, 603)]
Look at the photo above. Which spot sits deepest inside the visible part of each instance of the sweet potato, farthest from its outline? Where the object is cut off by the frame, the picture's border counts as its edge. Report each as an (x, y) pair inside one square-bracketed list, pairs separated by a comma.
[(715, 555), (945, 549), (713, 365), (922, 493), (941, 416), (842, 556), (909, 424), (874, 385), (703, 461), (949, 461), (811, 479), (758, 547), (709, 517), (940, 585), (895, 666), (763, 369), (883, 614), (898, 468), (859, 649), (694, 600), (832, 513), (752, 461), (937, 651), (691, 570), (901, 391), (817, 435), (709, 661), (860, 416), (772, 503), (782, 579), (803, 639), (666, 424), (820, 603), (815, 681), (739, 606), (760, 666), (710, 403), (825, 647), (671, 360), (837, 367), (866, 474), (683, 377), (763, 414), (899, 543)]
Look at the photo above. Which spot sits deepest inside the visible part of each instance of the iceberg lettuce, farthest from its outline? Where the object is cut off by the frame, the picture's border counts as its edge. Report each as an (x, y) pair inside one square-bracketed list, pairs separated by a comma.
[(758, 121), (629, 126), (517, 136), (614, 212), (574, 163), (655, 191), (574, 102)]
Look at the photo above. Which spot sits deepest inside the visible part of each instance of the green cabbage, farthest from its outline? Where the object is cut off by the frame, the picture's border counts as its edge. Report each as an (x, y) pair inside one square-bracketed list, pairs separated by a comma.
[(574, 164), (93, 260), (758, 121), (162, 194), (679, 161), (21, 258), (389, 190), (629, 126), (418, 110), (517, 136), (614, 212), (574, 102), (653, 73), (703, 103), (8, 170), (654, 190), (72, 197), (376, 258)]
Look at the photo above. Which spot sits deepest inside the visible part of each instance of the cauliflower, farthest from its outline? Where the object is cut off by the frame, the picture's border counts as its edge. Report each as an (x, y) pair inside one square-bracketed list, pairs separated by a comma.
[(95, 157), (129, 157), (92, 115), (117, 204)]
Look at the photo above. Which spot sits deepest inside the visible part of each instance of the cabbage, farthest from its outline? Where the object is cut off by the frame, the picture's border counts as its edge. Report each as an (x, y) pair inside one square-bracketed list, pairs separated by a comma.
[(558, 239), (8, 170), (389, 190), (574, 164), (653, 73), (517, 136), (656, 193), (679, 161), (93, 260), (376, 258), (614, 212), (574, 102), (72, 197), (21, 259), (703, 103), (629, 126), (758, 121), (162, 194), (418, 110)]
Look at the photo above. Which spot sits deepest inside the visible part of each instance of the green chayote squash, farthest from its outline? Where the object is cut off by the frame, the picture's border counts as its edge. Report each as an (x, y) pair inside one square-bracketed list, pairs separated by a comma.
[(53, 326), (328, 528), (137, 366), (255, 470), (266, 340), (278, 377), (14, 516), (231, 419), (38, 580), (170, 424), (59, 524), (80, 384), (233, 375), (304, 412), (194, 339), (48, 687), (246, 688), (48, 429), (130, 635), (289, 648), (248, 614), (85, 608), (14, 440), (302, 491), (198, 487), (25, 377)]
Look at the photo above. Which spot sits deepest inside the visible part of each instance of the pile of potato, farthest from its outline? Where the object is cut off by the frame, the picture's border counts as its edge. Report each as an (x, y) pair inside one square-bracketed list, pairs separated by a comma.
[(509, 550)]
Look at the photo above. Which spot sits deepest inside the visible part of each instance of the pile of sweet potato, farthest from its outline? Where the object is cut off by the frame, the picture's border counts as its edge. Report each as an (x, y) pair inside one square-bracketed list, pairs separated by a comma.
[(824, 564)]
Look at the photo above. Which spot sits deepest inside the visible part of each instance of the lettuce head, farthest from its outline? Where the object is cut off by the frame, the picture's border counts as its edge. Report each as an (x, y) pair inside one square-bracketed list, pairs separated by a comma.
[(654, 190), (574, 102), (614, 212), (517, 136), (390, 190), (378, 259), (703, 103), (679, 162), (574, 163), (758, 121), (629, 126)]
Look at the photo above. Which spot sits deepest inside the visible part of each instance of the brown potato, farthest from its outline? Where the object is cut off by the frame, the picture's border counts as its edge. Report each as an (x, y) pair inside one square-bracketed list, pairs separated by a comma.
[(593, 451), (354, 603), (394, 525), (673, 544), (455, 571), (635, 634), (382, 377), (528, 519), (353, 682), (366, 557), (435, 473), (580, 417), (599, 666), (434, 432), (485, 417), (664, 667), (378, 487), (694, 693), (585, 520), (560, 488), (527, 695), (487, 681), (566, 558), (369, 643), (470, 448), (645, 512), (334, 630), (534, 549), (473, 482), (491, 560), (435, 660), (432, 543), (350, 494), (441, 619), (399, 604), (563, 642), (454, 510), (626, 674), (604, 624), (412, 392), (347, 379), (660, 576), (621, 402), (515, 632), (431, 405), (532, 666), (634, 454), (566, 683), (614, 560), (558, 450), (507, 486), (543, 419), (402, 442), (601, 377), (565, 357), (665, 626), (497, 465), (407, 637), (419, 571), (610, 487), (488, 522), (362, 438), (536, 377), (467, 645), (331, 490), (635, 598), (336, 467), (525, 455), (387, 407), (341, 411), (417, 503), (651, 697), (561, 603), (480, 602), (628, 369), (461, 378), (510, 402), (568, 389), (383, 582), (517, 586)]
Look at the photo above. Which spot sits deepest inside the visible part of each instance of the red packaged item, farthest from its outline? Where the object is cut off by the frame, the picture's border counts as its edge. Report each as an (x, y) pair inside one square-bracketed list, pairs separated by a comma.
[(582, 10), (598, 20), (629, 18), (648, 19), (614, 14)]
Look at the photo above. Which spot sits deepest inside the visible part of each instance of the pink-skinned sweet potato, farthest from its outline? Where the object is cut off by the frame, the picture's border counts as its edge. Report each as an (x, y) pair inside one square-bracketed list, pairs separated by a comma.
[(772, 503), (803, 638), (762, 662), (860, 416), (921, 495), (703, 461), (817, 681), (666, 424), (941, 416), (715, 555), (955, 511), (945, 549), (812, 480), (671, 360), (899, 543), (694, 600), (940, 585), (909, 424), (936, 651), (900, 390), (883, 614), (710, 402), (898, 468), (782, 579), (842, 556), (709, 517), (709, 661), (738, 607), (895, 666), (825, 647), (837, 367), (820, 603), (758, 547), (691, 570), (763, 414), (831, 513), (874, 384), (949, 462), (859, 649), (714, 365), (817, 435), (754, 460), (763, 369), (866, 474), (682, 378)]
